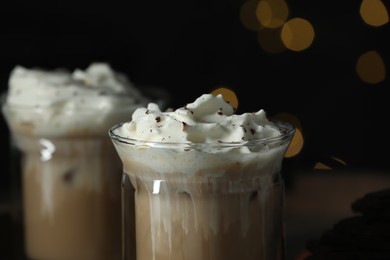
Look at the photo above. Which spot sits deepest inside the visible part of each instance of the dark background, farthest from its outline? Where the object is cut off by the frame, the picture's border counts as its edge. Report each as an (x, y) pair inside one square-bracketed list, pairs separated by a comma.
[(191, 47)]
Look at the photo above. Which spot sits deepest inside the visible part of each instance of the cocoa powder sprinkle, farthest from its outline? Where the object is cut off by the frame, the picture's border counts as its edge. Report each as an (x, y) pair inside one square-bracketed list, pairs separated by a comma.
[(185, 126)]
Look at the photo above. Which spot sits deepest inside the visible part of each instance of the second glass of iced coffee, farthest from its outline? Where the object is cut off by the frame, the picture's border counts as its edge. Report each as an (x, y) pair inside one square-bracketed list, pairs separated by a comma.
[(71, 174), (207, 182)]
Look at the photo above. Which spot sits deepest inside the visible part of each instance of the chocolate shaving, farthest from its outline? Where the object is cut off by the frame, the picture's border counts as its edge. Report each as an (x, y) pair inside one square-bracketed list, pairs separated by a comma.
[(253, 131), (185, 126), (158, 119)]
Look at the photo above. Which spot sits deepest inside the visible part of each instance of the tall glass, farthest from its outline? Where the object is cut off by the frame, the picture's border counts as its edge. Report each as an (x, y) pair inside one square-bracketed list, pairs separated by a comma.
[(191, 203), (70, 182)]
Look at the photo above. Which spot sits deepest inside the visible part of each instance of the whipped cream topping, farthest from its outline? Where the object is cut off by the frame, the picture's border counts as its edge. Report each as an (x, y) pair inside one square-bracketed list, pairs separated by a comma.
[(59, 101), (207, 130), (209, 119), (98, 87)]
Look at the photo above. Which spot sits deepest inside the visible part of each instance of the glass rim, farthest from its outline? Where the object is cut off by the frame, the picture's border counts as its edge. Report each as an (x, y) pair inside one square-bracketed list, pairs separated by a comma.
[(286, 128)]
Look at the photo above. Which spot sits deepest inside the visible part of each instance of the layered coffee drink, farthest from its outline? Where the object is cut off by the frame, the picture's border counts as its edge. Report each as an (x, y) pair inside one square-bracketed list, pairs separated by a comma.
[(207, 182), (71, 174)]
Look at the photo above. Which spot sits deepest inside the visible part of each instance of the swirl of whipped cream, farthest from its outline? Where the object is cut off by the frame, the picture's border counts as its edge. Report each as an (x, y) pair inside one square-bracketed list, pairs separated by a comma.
[(97, 87), (57, 102), (209, 119), (204, 134)]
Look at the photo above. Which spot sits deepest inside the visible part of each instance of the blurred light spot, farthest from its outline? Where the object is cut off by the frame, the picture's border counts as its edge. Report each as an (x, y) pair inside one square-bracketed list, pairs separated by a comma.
[(272, 13), (371, 68), (296, 144), (297, 140), (334, 161), (374, 12), (228, 95), (339, 160), (270, 41), (248, 15), (321, 166), (297, 34)]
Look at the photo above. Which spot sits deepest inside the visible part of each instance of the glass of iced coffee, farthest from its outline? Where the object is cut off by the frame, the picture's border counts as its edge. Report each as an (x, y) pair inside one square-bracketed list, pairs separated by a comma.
[(70, 173), (207, 182)]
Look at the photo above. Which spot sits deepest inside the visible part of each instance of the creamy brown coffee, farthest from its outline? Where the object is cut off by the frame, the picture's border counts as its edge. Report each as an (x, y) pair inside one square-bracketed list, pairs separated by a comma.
[(72, 203), (207, 182)]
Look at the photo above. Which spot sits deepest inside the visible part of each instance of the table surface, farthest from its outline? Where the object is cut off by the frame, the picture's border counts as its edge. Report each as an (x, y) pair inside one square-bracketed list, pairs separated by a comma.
[(315, 200), (320, 198)]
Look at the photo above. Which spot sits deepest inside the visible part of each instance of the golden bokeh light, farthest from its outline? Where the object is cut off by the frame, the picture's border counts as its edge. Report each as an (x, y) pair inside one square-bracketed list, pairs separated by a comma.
[(296, 144), (339, 160), (270, 41), (297, 141), (272, 13), (297, 34), (248, 15), (322, 166), (374, 12), (228, 94), (370, 67)]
